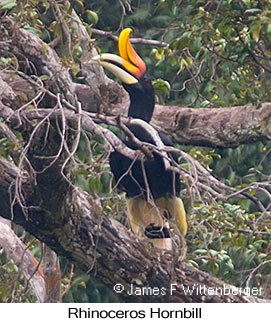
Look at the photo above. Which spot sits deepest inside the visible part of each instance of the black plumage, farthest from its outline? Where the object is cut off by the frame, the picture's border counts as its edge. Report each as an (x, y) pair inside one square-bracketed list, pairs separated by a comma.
[(160, 182), (142, 99), (152, 191)]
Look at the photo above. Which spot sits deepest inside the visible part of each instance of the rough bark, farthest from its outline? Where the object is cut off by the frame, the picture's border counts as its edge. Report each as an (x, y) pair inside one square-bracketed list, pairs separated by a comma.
[(216, 127), (44, 277), (40, 197), (23, 258), (213, 127), (106, 249), (52, 276)]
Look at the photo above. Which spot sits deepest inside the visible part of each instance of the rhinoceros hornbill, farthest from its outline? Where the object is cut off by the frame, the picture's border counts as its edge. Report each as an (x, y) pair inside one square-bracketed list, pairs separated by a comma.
[(152, 190)]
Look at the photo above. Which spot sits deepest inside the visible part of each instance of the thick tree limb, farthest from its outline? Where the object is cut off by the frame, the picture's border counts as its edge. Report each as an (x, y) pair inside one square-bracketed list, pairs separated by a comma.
[(44, 58), (102, 246), (216, 127), (212, 127), (225, 127), (23, 258), (199, 178), (44, 277), (40, 196)]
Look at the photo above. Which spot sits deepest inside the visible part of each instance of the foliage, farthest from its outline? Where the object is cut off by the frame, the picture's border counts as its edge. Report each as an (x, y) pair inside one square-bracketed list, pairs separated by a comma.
[(85, 290), (223, 240), (13, 284), (218, 55)]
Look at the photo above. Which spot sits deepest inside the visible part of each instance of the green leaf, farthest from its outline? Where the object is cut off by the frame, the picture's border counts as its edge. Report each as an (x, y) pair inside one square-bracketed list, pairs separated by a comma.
[(197, 44), (194, 263), (253, 10), (7, 4), (159, 53), (256, 29), (93, 15), (205, 104), (95, 184), (213, 252), (268, 29), (77, 51), (161, 86), (44, 77), (174, 44)]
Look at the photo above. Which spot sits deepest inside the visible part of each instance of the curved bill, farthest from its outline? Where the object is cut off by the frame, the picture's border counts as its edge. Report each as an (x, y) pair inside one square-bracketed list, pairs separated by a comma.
[(108, 60), (128, 67), (128, 53)]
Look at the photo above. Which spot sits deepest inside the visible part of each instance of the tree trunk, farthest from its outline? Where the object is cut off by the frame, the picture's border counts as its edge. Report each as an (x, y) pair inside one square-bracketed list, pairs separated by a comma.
[(100, 246), (39, 194), (216, 127)]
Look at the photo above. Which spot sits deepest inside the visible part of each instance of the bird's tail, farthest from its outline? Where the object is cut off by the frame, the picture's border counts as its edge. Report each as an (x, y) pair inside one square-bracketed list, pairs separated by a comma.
[(152, 219)]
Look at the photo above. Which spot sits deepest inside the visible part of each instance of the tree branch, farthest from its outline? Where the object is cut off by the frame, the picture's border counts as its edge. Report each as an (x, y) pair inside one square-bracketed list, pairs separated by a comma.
[(110, 35), (101, 245), (23, 258), (40, 196), (212, 127), (216, 127)]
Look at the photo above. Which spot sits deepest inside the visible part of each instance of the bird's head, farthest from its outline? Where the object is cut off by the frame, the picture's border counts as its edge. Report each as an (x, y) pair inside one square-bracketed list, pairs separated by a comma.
[(130, 69)]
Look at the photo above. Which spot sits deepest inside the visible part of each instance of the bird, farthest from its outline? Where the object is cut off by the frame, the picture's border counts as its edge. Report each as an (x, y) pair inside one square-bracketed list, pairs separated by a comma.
[(152, 190)]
